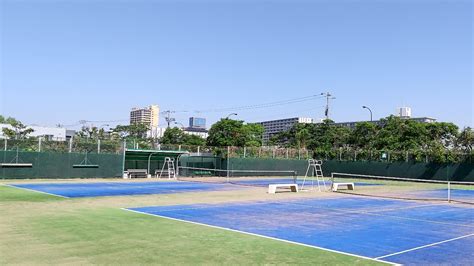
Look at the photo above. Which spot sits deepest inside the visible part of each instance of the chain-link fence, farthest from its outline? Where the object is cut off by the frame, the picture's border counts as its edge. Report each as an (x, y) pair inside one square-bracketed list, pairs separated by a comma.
[(340, 154)]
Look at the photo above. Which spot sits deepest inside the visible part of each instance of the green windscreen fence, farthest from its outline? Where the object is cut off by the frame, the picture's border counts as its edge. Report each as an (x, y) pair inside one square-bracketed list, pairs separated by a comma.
[(432, 171), (209, 162), (58, 165)]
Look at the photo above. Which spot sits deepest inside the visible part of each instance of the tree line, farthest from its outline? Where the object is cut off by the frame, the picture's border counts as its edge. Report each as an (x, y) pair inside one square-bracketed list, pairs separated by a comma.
[(389, 134)]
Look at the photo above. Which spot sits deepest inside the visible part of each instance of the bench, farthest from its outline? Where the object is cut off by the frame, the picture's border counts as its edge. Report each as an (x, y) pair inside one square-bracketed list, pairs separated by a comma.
[(273, 188), (137, 173), (202, 173), (13, 165), (349, 186)]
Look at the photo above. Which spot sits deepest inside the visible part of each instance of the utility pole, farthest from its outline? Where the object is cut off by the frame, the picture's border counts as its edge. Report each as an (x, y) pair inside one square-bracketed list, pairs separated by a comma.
[(328, 97), (168, 117)]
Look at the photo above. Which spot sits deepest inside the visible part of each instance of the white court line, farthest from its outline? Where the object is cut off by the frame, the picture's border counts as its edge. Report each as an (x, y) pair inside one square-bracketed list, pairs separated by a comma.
[(262, 236), (425, 246), (37, 191), (383, 215)]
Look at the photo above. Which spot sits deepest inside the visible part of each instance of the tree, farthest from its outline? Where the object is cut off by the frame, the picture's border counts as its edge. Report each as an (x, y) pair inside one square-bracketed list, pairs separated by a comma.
[(133, 131), (364, 135), (252, 134), (8, 120), (465, 140), (228, 132), (194, 140), (173, 135), (19, 130), (399, 134)]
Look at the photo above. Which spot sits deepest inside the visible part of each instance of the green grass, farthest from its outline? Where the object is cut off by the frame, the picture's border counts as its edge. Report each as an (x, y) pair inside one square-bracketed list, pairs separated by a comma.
[(43, 229), (12, 194)]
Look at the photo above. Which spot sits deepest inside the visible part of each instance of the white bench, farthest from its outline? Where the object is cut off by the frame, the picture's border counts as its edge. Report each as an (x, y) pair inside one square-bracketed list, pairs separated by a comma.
[(349, 186), (272, 188), (137, 173)]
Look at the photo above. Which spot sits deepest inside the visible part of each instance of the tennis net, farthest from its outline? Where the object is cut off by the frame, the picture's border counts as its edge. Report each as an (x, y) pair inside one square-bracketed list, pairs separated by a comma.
[(406, 188), (256, 178)]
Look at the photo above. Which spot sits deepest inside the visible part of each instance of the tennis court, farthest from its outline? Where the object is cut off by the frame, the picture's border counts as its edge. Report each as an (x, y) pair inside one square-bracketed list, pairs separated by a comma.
[(101, 189), (389, 230)]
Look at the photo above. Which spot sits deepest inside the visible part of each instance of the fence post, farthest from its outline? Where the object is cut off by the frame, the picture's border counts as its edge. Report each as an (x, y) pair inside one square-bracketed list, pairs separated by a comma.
[(179, 147), (355, 156), (228, 159), (70, 144), (245, 152), (286, 153), (199, 150), (6, 144), (39, 144), (340, 153), (98, 146)]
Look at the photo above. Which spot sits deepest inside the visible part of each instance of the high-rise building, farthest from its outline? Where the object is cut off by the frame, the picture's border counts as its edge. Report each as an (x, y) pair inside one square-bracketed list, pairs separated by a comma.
[(196, 122), (274, 127), (149, 116)]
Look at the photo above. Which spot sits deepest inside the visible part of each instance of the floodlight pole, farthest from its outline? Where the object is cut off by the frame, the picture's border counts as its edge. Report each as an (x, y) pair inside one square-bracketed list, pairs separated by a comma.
[(228, 117), (178, 123), (365, 107)]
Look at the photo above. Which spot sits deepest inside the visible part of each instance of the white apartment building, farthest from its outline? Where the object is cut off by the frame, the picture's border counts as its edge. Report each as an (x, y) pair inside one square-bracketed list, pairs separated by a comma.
[(201, 132), (274, 127)]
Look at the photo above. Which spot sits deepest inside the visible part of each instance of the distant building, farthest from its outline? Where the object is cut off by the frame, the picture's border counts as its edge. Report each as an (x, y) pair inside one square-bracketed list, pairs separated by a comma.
[(274, 127), (196, 122), (353, 124), (201, 132), (149, 116), (70, 134), (402, 112)]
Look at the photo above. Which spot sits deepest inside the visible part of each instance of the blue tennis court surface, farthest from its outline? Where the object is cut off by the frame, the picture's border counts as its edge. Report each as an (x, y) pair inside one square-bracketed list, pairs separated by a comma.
[(100, 189), (389, 230), (77, 190)]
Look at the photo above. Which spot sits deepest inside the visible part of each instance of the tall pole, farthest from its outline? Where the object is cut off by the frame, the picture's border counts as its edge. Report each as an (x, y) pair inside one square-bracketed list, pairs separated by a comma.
[(365, 107), (168, 118), (228, 117), (328, 96)]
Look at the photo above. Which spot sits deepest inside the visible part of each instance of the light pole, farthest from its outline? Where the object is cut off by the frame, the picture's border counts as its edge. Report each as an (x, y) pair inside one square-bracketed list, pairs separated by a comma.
[(178, 123), (230, 115), (365, 107)]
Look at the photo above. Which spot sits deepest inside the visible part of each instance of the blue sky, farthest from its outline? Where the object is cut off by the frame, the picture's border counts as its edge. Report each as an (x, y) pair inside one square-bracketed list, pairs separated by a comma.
[(65, 61)]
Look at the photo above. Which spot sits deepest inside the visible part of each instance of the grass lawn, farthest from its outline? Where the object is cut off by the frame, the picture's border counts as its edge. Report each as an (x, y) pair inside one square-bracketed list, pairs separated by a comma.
[(42, 229)]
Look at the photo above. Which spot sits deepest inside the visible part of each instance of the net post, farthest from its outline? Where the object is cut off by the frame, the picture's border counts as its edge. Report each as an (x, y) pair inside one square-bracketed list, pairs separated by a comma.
[(332, 180), (228, 163), (449, 191)]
